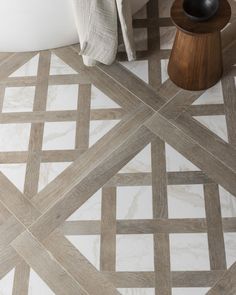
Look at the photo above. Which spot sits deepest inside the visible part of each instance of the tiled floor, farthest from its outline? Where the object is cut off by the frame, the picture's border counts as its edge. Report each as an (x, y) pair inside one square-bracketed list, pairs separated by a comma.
[(109, 185)]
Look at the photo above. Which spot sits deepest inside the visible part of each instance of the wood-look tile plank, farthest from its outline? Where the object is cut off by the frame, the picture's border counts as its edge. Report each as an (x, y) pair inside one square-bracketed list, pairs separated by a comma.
[(37, 129), (197, 154), (83, 118), (9, 258), (42, 261), (215, 228), (226, 285), (88, 184), (16, 202), (229, 94), (21, 279), (90, 279), (14, 62), (108, 230), (87, 162)]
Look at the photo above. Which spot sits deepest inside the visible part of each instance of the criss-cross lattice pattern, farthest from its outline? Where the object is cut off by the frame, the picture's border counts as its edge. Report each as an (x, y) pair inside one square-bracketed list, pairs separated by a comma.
[(114, 180)]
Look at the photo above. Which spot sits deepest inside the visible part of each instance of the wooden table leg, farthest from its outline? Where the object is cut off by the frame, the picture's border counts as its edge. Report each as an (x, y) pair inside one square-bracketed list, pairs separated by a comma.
[(196, 60)]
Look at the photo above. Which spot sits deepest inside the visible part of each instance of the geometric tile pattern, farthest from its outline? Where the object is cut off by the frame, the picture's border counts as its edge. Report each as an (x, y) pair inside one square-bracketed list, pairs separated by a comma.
[(113, 180)]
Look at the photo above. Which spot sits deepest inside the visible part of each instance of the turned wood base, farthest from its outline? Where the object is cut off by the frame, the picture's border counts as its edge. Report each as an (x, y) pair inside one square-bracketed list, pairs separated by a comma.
[(196, 60)]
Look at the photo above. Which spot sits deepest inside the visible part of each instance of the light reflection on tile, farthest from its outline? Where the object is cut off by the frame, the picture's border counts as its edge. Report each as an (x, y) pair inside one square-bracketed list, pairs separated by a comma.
[(134, 253), (18, 99), (164, 72), (164, 8), (134, 202), (189, 252)]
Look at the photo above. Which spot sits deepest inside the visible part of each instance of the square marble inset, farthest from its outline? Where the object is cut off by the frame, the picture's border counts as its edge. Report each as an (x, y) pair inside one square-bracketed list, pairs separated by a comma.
[(138, 68), (14, 137), (189, 252), (18, 99), (134, 202), (186, 201), (59, 136), (100, 100), (62, 97), (134, 253)]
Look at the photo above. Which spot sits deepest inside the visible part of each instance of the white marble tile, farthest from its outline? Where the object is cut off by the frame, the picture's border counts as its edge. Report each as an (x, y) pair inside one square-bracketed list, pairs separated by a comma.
[(167, 36), (37, 286), (142, 162), (62, 97), (14, 137), (59, 135), (189, 252), (190, 291), (90, 210), (18, 99), (89, 246), (214, 95), (100, 100), (186, 201), (230, 248), (216, 124), (134, 253), (99, 128), (134, 202), (49, 171), (138, 68), (164, 8), (177, 162), (6, 283), (228, 203), (15, 173), (137, 291), (30, 68), (164, 72), (58, 67)]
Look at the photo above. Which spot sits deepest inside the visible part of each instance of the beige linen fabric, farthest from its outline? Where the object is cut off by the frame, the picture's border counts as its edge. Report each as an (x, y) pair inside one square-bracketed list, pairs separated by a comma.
[(96, 22)]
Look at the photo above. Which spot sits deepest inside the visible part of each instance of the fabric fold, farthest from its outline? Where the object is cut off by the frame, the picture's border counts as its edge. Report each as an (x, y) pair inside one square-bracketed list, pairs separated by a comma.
[(97, 26)]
